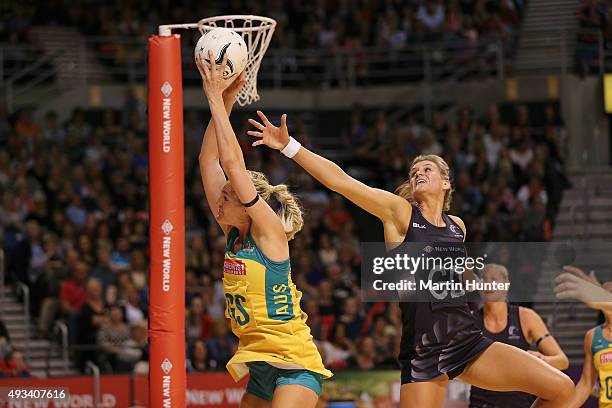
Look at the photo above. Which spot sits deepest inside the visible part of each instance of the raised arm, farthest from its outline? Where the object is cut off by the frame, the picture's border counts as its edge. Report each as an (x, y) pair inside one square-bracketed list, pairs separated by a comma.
[(386, 206), (574, 284), (211, 172), (267, 223)]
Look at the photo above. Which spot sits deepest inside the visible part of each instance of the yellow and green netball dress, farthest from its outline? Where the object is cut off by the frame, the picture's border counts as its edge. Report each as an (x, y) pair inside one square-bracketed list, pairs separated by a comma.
[(263, 305), (602, 360)]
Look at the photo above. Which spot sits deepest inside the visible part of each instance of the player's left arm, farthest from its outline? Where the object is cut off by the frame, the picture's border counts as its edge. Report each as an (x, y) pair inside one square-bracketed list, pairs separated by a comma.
[(267, 224), (535, 331)]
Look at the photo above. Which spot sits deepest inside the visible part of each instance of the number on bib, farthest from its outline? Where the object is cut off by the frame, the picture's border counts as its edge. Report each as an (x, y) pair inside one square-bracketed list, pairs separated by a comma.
[(609, 388), (235, 303)]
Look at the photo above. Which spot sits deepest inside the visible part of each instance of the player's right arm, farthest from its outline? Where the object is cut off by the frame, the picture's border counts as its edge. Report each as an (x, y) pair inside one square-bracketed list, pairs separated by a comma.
[(388, 207), (212, 174), (588, 377)]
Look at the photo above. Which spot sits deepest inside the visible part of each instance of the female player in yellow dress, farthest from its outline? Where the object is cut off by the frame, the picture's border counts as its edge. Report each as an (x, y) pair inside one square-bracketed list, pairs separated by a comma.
[(597, 364), (438, 343), (575, 284), (275, 345)]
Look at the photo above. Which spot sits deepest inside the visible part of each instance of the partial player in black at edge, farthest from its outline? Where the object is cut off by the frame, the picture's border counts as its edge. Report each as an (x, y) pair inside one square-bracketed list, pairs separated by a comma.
[(427, 368), (517, 326)]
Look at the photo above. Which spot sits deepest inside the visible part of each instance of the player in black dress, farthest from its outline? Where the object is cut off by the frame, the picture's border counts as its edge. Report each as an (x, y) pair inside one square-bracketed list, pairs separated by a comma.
[(517, 326), (438, 343)]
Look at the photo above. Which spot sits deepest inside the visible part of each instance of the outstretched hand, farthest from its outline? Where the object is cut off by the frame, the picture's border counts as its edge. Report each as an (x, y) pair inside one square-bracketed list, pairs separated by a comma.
[(582, 288), (214, 84), (582, 274), (270, 135)]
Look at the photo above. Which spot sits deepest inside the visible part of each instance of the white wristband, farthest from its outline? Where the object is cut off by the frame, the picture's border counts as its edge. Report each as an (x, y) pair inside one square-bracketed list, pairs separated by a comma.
[(292, 148)]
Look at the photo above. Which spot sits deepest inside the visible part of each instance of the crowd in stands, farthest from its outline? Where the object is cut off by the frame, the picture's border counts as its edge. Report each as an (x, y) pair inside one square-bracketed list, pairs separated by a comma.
[(508, 169), (118, 30), (327, 23), (73, 211)]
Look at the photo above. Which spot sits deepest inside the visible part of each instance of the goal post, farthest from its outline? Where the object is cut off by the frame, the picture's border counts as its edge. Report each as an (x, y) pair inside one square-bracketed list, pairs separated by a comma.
[(167, 377)]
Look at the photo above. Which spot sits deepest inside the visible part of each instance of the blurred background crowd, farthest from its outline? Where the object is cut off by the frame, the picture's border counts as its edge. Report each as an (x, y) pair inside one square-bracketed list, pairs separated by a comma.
[(310, 36), (323, 23)]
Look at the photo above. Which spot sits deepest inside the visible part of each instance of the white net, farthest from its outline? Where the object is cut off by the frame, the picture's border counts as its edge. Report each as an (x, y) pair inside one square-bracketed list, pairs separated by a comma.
[(257, 32)]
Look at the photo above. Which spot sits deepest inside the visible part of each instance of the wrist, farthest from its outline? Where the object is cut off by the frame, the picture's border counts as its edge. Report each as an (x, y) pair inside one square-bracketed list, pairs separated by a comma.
[(291, 148), (215, 99)]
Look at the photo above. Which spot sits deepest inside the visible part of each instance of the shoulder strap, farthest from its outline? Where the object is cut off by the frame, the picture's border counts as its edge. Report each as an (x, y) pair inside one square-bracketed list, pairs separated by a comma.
[(414, 213), (514, 317), (596, 336)]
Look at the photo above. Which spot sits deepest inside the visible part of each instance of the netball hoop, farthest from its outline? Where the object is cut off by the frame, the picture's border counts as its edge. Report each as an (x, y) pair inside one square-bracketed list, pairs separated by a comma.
[(167, 377), (256, 31)]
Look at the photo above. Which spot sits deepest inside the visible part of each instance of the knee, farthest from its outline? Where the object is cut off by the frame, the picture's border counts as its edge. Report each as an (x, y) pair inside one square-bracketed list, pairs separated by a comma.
[(564, 387)]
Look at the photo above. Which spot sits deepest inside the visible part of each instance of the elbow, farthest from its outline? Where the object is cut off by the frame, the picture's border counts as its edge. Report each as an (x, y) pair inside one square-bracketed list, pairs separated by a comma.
[(205, 161), (564, 362), (338, 184), (203, 157)]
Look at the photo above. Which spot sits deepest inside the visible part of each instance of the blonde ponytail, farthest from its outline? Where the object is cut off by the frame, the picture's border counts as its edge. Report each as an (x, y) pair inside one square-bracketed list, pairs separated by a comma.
[(290, 211)]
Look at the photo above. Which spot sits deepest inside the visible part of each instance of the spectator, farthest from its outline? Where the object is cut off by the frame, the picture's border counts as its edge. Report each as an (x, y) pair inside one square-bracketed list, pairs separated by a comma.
[(103, 270), (73, 296), (365, 355), (133, 308), (134, 354), (197, 321), (120, 258), (431, 16), (532, 191), (349, 325), (73, 292), (112, 336), (336, 215), (221, 344), (14, 365), (494, 142), (199, 360), (92, 316), (327, 253)]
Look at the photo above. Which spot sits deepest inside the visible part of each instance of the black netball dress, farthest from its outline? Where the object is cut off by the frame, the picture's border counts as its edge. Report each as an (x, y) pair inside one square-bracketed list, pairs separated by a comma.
[(512, 334), (438, 337)]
